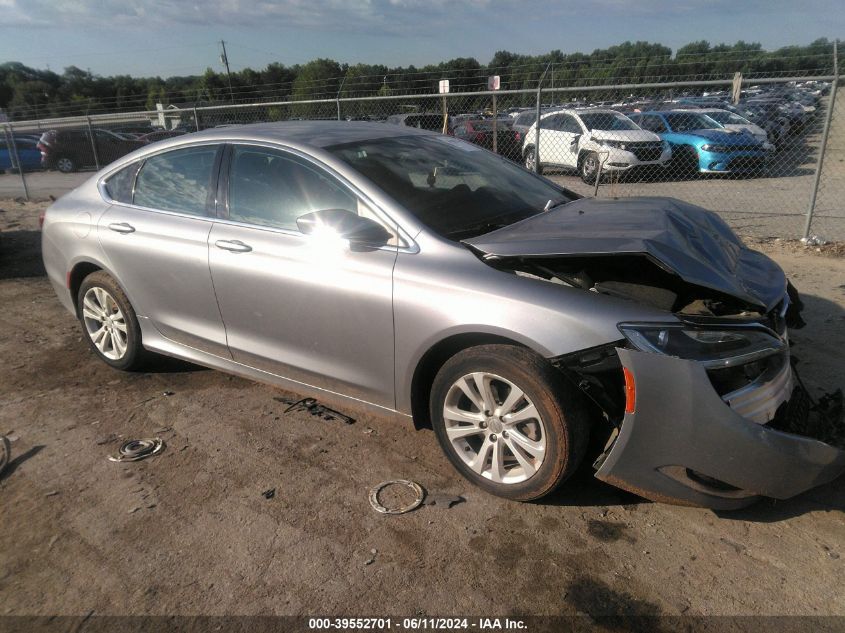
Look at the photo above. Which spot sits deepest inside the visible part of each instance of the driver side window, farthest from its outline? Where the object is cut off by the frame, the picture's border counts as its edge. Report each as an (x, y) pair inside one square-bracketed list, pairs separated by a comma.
[(273, 188)]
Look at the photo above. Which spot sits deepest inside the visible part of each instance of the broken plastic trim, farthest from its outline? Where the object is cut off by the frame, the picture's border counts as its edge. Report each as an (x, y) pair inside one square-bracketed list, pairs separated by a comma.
[(597, 372), (413, 505)]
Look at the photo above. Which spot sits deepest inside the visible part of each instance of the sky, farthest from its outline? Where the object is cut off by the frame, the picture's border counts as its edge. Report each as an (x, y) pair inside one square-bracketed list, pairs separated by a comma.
[(176, 37)]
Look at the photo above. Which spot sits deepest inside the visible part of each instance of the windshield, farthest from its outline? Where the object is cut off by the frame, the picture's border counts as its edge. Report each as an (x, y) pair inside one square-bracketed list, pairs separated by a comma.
[(683, 122), (455, 188), (607, 121), (725, 117)]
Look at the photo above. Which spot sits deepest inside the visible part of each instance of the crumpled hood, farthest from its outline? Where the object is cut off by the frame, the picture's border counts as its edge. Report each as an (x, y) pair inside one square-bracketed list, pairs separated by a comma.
[(691, 242)]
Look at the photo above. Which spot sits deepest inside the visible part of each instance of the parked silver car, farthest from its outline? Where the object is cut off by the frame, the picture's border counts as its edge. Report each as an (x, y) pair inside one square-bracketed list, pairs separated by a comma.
[(421, 276)]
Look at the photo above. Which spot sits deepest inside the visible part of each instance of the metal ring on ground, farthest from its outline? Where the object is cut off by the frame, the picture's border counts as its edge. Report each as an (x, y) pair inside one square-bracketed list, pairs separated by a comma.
[(133, 450), (415, 487)]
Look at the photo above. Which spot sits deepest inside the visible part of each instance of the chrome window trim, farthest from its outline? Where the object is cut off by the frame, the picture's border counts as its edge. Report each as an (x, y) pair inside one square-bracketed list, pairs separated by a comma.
[(411, 248)]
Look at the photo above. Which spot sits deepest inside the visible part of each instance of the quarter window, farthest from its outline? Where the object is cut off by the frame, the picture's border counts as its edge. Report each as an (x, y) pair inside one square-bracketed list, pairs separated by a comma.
[(119, 185), (179, 180)]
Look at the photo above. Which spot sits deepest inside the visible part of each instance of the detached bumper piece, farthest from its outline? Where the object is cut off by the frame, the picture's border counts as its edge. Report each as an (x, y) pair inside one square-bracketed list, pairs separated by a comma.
[(683, 444)]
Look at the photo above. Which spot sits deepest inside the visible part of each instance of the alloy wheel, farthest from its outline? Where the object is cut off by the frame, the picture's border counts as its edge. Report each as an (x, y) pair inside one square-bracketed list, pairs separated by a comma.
[(105, 323), (494, 428), (64, 165)]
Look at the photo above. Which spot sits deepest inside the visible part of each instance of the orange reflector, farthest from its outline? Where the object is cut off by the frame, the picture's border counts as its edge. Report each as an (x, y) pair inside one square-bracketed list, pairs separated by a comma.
[(630, 391)]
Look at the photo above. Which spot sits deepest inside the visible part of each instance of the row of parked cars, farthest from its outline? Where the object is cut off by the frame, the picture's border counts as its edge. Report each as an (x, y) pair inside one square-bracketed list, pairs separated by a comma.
[(69, 150), (591, 141)]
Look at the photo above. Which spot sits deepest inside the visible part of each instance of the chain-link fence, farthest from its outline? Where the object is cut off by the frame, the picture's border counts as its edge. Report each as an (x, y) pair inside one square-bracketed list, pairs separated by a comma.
[(768, 154)]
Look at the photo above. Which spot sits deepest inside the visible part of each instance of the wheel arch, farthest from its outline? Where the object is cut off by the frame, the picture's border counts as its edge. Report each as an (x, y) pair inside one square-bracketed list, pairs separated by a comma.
[(436, 356)]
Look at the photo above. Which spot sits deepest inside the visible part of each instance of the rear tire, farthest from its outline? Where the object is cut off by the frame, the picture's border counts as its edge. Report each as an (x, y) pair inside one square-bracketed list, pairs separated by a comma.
[(534, 437), (109, 322)]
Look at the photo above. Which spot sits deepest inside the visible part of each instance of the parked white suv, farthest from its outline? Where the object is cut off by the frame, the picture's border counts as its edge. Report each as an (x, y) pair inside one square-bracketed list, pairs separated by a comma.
[(586, 139)]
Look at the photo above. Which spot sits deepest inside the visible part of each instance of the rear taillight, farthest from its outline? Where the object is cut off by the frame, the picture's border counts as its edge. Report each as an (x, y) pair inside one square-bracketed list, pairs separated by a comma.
[(41, 148), (517, 136)]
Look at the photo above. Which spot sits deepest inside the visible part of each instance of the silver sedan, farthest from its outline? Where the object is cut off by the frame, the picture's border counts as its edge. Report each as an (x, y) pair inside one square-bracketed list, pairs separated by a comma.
[(422, 277)]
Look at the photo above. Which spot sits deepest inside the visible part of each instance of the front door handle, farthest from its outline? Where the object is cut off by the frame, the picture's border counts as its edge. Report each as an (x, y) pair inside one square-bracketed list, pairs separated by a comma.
[(236, 246), (122, 227)]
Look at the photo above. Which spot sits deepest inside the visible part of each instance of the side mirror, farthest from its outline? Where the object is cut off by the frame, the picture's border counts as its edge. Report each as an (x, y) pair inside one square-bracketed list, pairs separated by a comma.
[(345, 225)]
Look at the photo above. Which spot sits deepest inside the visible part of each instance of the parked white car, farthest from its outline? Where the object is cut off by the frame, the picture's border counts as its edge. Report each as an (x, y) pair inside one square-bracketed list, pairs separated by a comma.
[(587, 139), (733, 121)]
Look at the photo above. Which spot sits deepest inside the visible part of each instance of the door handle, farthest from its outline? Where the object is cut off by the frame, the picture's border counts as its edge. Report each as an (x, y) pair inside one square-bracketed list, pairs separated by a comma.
[(236, 246), (122, 227)]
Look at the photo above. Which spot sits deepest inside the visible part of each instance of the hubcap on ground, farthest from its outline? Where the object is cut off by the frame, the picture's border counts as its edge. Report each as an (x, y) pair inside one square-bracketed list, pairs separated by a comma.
[(105, 323), (494, 428)]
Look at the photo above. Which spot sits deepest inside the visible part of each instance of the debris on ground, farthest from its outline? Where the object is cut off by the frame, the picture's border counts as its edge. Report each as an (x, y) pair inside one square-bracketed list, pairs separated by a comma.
[(107, 439), (167, 394), (442, 500), (310, 405), (5, 452), (269, 494), (372, 557), (52, 493), (813, 240), (135, 450), (400, 506)]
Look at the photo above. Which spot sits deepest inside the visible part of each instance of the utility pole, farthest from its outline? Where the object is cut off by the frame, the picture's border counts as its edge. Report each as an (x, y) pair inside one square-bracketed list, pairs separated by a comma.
[(225, 59)]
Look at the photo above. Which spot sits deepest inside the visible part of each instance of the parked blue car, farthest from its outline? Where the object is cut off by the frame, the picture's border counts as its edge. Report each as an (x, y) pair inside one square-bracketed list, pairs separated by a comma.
[(701, 144), (28, 152)]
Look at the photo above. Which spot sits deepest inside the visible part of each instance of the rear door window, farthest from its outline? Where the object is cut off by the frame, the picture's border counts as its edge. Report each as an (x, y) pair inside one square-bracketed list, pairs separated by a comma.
[(179, 180)]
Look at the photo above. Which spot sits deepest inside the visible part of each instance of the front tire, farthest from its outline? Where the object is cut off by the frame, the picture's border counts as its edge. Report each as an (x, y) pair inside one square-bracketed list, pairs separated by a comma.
[(531, 161), (65, 164), (507, 421), (109, 322), (589, 168)]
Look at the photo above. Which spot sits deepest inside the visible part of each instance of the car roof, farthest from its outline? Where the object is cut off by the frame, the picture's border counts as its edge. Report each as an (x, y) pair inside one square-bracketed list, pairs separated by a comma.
[(310, 133)]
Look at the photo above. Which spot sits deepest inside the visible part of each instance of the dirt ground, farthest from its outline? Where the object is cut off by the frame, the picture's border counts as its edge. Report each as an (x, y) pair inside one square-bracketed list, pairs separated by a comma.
[(189, 531)]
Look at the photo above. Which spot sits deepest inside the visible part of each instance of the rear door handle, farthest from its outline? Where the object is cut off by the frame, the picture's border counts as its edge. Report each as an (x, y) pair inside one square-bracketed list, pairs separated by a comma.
[(236, 246), (122, 227)]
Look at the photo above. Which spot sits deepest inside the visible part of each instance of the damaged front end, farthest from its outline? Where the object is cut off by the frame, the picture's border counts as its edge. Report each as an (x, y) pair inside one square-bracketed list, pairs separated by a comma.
[(704, 409), (717, 424)]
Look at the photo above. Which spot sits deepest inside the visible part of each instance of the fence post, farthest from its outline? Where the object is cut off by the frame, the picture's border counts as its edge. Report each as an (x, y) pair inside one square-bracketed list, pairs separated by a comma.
[(823, 147), (537, 122), (14, 158), (337, 97), (196, 120), (93, 143)]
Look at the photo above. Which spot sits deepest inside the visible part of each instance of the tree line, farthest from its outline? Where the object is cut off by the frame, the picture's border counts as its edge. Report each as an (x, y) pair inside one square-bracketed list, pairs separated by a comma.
[(30, 93)]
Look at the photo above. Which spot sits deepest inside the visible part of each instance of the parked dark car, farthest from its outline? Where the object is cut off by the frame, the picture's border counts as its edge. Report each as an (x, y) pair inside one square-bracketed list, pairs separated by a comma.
[(71, 150), (28, 154), (480, 132), (431, 121), (160, 135)]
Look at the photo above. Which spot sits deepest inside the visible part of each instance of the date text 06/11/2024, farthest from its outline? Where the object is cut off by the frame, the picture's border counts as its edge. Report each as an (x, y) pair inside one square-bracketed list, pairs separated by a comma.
[(416, 623)]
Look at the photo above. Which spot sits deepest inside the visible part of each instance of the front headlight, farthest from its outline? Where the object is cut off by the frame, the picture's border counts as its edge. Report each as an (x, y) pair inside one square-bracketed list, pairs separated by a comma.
[(713, 348), (616, 144), (719, 149)]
